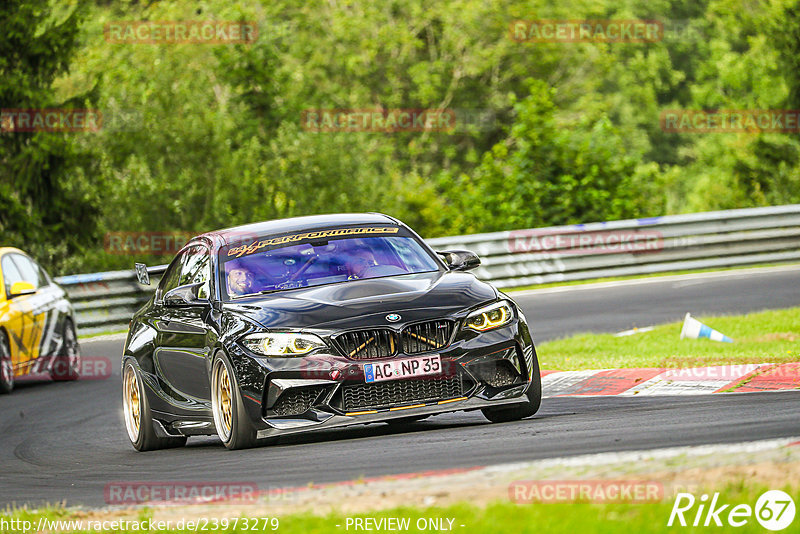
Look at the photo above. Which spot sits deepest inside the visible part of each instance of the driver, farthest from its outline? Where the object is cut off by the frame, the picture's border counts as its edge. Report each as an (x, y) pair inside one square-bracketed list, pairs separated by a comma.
[(240, 281), (360, 260)]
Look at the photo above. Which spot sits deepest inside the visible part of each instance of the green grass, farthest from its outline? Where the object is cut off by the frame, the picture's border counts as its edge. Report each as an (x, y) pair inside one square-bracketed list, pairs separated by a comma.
[(507, 517), (640, 276), (104, 333), (771, 336)]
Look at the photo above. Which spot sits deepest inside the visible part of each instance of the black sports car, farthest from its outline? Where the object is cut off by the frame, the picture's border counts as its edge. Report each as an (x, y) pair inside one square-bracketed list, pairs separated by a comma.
[(317, 322)]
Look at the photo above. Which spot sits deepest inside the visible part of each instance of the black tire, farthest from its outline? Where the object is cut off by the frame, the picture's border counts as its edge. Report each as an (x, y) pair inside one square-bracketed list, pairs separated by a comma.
[(233, 425), (141, 434), (514, 413), (67, 363), (6, 367)]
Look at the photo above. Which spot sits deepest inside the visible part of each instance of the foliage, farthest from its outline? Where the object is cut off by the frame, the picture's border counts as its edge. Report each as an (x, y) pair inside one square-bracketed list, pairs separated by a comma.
[(202, 136), (548, 173), (48, 206)]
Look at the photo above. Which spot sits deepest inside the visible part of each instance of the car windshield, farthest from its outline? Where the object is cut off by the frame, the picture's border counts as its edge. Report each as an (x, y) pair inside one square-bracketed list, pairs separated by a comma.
[(270, 263)]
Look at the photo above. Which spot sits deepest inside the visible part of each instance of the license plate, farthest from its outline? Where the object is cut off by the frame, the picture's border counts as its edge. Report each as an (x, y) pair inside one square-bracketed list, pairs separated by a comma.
[(397, 369)]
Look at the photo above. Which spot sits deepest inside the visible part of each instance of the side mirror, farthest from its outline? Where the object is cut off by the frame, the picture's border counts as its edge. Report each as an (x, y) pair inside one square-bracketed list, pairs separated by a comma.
[(185, 296), (21, 288), (460, 260)]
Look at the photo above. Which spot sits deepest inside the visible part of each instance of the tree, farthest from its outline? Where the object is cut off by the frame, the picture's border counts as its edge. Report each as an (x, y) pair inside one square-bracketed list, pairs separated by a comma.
[(550, 172), (48, 207)]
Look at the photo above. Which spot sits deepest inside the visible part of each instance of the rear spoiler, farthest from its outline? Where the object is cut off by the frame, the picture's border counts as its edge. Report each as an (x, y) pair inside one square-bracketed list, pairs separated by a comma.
[(143, 272)]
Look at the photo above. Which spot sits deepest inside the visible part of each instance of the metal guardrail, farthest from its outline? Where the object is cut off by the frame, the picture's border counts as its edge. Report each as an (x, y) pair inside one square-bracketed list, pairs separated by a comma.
[(106, 301)]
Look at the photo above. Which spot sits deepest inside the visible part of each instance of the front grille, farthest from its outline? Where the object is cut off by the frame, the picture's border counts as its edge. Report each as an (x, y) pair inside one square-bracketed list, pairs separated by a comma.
[(368, 344), (423, 337), (296, 401), (399, 392)]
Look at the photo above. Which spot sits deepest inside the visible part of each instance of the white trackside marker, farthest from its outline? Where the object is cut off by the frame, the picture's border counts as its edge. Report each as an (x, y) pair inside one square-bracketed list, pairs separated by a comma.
[(694, 329)]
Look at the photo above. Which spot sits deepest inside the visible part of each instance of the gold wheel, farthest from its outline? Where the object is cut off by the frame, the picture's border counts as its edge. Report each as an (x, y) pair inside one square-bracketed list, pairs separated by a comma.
[(222, 400), (131, 403)]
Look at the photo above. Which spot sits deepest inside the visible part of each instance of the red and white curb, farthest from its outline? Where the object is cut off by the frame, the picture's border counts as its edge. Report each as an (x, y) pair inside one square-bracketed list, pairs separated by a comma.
[(744, 378)]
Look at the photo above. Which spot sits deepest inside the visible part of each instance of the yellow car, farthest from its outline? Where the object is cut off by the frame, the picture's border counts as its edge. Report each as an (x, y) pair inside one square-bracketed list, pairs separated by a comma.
[(37, 323)]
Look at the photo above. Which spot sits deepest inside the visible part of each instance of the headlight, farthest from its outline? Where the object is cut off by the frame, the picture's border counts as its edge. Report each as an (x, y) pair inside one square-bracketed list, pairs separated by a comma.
[(489, 317), (282, 344)]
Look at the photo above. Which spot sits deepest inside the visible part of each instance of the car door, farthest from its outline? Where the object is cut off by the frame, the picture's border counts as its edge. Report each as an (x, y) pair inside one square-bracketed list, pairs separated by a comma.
[(30, 317), (183, 338), (50, 304)]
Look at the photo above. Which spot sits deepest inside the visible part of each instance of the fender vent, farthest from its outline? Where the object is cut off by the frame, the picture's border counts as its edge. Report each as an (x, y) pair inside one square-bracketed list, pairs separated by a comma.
[(296, 401)]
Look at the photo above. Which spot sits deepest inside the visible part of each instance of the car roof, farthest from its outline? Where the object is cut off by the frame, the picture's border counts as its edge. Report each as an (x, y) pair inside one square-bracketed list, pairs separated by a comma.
[(295, 224), (4, 250)]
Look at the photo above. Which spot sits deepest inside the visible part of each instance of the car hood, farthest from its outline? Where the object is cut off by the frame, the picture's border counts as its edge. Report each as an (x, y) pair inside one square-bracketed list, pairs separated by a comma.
[(367, 302)]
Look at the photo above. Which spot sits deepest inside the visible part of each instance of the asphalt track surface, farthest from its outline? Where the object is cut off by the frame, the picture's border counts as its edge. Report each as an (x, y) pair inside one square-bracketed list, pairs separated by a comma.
[(64, 442)]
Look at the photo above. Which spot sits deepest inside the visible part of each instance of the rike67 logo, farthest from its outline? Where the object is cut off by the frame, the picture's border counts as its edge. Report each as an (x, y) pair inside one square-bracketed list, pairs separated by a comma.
[(774, 510)]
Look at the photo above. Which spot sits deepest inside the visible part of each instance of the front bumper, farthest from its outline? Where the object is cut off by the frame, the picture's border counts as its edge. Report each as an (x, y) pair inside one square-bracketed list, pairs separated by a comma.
[(294, 395), (284, 426)]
